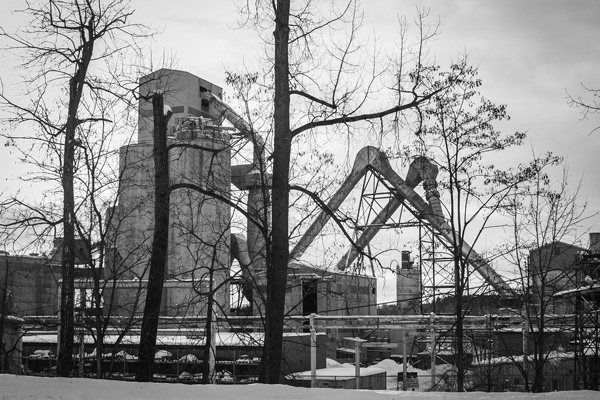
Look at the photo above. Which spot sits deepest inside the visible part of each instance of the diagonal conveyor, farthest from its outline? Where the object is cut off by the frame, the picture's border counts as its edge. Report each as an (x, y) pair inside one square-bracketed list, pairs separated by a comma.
[(422, 170), (371, 158)]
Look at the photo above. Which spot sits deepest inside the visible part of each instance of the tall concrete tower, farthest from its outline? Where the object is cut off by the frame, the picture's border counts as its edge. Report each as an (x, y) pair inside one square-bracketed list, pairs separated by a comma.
[(182, 93), (408, 286), (200, 157)]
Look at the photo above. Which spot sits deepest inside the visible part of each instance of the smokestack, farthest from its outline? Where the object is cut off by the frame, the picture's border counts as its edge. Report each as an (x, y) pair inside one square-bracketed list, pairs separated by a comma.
[(595, 243)]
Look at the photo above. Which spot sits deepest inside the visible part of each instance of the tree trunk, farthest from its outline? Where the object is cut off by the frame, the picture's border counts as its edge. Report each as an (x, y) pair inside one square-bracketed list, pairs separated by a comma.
[(98, 320), (65, 358), (76, 84), (160, 242), (539, 357), (208, 369), (277, 265), (460, 353)]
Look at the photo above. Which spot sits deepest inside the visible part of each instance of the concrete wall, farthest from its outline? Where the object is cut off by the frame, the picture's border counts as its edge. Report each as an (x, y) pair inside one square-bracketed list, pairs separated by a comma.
[(408, 290), (32, 283), (199, 235), (179, 298), (336, 293), (296, 352), (11, 349), (199, 239), (182, 93), (552, 269), (133, 221)]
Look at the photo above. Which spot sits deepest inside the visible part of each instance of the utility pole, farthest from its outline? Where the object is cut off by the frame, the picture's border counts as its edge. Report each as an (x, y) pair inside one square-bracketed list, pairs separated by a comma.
[(313, 352), (357, 344)]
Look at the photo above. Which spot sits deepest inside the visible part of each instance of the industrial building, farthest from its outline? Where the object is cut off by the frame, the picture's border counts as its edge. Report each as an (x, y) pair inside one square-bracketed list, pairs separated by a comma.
[(554, 268), (216, 269), (202, 246)]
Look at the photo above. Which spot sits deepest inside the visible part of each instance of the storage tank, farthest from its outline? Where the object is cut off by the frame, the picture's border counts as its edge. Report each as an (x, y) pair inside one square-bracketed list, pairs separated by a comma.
[(200, 220), (199, 223), (132, 222), (199, 231)]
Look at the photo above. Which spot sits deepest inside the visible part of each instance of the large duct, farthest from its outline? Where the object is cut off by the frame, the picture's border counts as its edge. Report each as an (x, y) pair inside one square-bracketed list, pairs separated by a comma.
[(252, 178), (371, 158), (420, 170)]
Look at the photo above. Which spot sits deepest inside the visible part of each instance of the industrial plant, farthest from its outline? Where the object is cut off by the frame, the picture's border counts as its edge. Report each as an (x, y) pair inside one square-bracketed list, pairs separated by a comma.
[(215, 278)]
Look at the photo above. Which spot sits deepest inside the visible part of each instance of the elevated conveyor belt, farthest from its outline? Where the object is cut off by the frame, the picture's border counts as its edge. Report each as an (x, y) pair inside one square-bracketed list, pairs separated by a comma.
[(372, 159), (422, 170)]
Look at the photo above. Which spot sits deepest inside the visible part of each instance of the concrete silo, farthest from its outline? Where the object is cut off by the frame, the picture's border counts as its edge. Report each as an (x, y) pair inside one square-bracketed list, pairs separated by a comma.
[(200, 220), (200, 175)]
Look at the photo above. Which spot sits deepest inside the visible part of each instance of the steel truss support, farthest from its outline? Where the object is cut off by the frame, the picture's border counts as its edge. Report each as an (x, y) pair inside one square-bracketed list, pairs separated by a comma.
[(587, 341), (437, 270), (435, 261)]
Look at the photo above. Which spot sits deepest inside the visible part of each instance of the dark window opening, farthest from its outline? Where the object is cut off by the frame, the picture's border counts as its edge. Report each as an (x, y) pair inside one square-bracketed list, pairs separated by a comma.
[(203, 102), (309, 297)]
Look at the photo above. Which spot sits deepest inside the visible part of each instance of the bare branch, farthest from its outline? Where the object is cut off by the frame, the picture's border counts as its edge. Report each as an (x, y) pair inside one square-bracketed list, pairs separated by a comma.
[(312, 98)]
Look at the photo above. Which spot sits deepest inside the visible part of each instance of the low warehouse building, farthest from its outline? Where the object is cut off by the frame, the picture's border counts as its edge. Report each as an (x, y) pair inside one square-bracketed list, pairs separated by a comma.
[(341, 378)]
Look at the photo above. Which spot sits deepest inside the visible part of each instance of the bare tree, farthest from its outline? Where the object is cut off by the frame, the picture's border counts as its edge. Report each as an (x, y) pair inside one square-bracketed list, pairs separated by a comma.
[(458, 136), (317, 81), (547, 226), (98, 285), (60, 44), (589, 105)]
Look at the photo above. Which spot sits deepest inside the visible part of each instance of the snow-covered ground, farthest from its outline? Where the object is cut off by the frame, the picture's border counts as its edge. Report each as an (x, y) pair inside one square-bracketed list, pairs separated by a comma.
[(35, 388)]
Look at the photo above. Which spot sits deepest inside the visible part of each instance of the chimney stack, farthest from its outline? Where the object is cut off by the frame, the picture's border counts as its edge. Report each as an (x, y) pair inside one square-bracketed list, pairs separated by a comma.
[(595, 243)]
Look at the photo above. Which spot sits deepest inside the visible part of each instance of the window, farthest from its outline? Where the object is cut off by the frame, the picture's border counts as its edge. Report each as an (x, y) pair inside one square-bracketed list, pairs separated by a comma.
[(309, 297), (203, 103), (84, 299)]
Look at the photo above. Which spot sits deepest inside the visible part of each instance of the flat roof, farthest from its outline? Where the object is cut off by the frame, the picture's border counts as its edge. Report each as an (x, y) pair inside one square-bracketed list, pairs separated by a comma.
[(223, 339), (338, 373)]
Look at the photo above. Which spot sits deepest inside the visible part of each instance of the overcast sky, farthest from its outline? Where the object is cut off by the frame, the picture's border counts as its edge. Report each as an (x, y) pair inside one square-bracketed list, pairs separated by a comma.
[(529, 54)]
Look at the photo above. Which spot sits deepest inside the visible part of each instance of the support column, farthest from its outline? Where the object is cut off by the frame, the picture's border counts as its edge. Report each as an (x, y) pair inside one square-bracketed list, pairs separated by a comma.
[(404, 360), (357, 364), (313, 352), (357, 344), (432, 322)]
